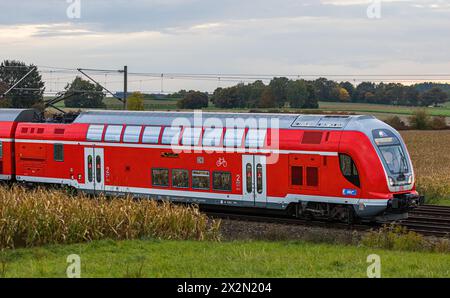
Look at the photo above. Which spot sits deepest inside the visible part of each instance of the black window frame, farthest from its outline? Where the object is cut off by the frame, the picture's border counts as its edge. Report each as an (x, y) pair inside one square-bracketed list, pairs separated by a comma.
[(168, 177), (58, 154), (214, 180), (353, 178), (181, 170), (209, 179)]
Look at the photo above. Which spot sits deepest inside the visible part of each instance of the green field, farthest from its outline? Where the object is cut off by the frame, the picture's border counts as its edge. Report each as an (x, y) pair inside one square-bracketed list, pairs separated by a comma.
[(381, 109), (214, 259)]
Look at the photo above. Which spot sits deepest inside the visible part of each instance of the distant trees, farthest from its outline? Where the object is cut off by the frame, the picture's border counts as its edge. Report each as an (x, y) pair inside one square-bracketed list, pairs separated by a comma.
[(193, 100), (86, 94), (278, 93), (29, 93), (269, 99), (135, 102), (433, 97), (180, 94), (301, 94)]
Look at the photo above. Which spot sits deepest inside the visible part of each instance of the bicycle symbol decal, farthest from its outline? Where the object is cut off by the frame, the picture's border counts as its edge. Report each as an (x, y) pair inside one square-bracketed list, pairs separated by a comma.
[(221, 162)]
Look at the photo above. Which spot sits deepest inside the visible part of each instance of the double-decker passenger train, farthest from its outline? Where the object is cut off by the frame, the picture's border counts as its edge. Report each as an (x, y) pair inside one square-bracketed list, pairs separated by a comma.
[(321, 166)]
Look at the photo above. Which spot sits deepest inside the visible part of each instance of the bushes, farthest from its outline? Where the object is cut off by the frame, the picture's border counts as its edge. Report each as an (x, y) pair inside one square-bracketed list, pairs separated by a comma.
[(135, 102), (438, 123), (396, 123), (39, 217), (396, 237), (420, 119), (193, 100)]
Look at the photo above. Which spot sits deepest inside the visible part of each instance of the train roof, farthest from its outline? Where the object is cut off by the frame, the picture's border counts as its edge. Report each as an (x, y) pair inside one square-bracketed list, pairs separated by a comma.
[(18, 115), (291, 121)]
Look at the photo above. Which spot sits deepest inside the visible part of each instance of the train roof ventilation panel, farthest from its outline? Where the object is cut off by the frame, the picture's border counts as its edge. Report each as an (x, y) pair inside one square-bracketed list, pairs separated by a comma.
[(318, 121), (306, 121)]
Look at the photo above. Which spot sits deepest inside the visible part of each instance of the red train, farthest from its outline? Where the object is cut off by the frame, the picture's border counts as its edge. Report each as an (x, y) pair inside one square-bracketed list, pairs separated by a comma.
[(335, 167)]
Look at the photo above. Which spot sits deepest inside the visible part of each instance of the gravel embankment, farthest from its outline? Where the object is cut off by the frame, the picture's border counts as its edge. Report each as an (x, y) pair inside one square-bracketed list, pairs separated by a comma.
[(246, 230)]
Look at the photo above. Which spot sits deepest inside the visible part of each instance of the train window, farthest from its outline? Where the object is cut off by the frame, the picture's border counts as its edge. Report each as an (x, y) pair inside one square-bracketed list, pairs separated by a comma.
[(222, 181), (1, 149), (180, 178), (259, 178), (95, 132), (200, 180), (90, 172), (98, 168), (160, 177), (312, 176), (191, 136), (233, 137), (171, 136), (249, 177), (113, 133), (151, 135), (212, 137), (131, 134), (255, 138), (297, 176), (349, 170), (58, 152)]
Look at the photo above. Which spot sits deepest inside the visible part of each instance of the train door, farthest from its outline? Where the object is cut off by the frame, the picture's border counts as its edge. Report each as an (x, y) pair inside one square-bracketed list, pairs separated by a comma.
[(254, 182), (94, 169)]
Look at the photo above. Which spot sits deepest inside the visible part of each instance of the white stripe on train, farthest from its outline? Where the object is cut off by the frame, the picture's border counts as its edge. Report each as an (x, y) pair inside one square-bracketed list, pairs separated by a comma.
[(290, 198)]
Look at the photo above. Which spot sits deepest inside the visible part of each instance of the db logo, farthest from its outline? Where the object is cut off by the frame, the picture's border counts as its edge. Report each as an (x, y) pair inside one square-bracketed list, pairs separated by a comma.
[(221, 162)]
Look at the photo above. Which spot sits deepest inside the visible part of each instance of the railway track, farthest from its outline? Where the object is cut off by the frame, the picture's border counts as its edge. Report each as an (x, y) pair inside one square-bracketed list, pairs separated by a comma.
[(427, 220)]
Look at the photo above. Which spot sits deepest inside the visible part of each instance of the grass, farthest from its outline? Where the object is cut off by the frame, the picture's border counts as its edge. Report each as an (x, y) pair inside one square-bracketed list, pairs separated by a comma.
[(44, 216), (430, 155), (382, 109), (139, 258), (149, 104)]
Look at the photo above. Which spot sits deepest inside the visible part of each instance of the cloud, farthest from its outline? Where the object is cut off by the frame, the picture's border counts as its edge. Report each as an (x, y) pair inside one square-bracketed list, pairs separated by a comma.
[(229, 36)]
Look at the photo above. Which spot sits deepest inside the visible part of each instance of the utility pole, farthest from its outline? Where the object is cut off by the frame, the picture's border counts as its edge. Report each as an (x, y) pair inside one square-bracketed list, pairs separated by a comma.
[(125, 86)]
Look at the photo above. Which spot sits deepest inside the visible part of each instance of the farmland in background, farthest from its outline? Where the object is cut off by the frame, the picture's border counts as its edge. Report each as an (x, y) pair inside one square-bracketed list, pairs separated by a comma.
[(430, 153)]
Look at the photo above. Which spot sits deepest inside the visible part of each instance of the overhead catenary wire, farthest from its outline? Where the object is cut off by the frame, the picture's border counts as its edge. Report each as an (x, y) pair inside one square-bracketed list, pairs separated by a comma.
[(57, 77)]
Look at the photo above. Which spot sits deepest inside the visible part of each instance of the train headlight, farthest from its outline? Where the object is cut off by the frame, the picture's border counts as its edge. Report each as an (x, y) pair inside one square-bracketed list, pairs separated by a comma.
[(391, 181), (410, 179)]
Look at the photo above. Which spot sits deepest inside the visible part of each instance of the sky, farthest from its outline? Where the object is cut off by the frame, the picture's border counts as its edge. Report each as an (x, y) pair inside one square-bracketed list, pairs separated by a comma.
[(342, 39)]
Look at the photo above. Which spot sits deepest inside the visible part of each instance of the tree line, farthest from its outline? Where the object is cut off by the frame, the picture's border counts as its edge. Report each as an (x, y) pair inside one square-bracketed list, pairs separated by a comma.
[(282, 92), (279, 92)]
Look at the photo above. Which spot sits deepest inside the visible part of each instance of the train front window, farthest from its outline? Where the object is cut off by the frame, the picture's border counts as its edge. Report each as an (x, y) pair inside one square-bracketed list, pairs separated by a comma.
[(394, 158)]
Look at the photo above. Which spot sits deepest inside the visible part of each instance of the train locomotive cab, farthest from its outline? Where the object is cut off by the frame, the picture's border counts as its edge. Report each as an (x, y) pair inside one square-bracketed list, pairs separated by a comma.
[(398, 169), (388, 181)]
